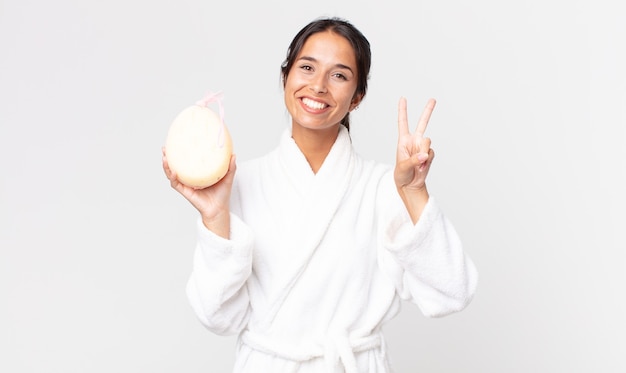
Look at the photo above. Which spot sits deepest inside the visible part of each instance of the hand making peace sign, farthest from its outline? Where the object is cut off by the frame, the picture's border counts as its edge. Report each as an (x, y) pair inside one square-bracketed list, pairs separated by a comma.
[(414, 155)]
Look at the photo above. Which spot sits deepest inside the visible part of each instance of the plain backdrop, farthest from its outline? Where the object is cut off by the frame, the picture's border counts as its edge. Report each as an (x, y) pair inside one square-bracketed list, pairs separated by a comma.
[(529, 132)]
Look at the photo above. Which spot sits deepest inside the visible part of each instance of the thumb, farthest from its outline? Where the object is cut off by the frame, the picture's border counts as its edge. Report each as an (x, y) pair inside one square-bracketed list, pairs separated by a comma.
[(405, 169), (232, 168)]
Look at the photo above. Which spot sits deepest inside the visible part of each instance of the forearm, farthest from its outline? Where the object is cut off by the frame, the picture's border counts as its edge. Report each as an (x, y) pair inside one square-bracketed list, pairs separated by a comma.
[(217, 287), (434, 271)]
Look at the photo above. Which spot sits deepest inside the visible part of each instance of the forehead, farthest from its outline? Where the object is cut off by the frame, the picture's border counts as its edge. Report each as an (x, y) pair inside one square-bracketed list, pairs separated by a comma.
[(329, 46)]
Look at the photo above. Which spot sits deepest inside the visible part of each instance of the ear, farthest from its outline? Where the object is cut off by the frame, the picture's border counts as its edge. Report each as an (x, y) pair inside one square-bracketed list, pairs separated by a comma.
[(356, 100)]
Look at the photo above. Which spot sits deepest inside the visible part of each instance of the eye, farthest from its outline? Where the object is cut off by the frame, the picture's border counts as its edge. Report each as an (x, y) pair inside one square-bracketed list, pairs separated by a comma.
[(340, 76), (306, 67)]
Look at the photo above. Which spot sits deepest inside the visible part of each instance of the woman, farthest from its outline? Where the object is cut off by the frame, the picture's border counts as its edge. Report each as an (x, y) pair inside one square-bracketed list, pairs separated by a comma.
[(309, 250)]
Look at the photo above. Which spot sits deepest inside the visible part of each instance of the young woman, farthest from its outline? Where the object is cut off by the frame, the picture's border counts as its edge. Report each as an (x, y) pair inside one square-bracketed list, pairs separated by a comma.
[(306, 252)]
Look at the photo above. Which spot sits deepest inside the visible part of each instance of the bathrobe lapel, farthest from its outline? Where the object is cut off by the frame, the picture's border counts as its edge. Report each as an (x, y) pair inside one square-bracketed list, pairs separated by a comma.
[(305, 203)]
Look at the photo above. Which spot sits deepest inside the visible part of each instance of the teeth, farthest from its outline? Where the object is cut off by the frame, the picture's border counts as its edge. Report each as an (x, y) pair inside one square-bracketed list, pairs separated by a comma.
[(313, 104)]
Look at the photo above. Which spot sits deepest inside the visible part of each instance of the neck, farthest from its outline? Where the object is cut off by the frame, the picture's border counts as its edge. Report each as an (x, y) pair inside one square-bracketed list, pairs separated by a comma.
[(315, 144)]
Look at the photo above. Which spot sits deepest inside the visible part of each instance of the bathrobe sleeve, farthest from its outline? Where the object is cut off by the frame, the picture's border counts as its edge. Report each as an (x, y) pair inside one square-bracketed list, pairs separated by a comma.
[(217, 288), (426, 261)]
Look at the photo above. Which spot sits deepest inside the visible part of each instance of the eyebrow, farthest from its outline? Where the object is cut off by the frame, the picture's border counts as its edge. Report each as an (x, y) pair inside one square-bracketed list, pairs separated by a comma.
[(338, 65)]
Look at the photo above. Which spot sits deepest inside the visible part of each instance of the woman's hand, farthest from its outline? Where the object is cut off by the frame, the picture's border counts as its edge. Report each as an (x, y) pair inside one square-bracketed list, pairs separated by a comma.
[(413, 159), (212, 202)]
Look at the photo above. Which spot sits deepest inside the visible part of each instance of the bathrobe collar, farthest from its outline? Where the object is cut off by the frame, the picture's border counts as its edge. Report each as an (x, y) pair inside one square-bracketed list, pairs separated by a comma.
[(306, 202), (334, 170)]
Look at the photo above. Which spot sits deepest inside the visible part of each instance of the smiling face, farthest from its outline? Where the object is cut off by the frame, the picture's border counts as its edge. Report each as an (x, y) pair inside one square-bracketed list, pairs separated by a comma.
[(321, 85)]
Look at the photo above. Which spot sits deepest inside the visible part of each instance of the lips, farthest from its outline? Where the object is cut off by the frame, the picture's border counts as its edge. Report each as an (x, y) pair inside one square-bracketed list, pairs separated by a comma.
[(312, 104)]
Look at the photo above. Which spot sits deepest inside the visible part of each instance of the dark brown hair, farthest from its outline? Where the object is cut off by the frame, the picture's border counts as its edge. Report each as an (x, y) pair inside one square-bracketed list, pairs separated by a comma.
[(360, 46)]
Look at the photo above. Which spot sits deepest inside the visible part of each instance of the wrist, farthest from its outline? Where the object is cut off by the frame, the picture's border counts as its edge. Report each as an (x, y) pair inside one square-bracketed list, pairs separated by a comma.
[(414, 199), (218, 223)]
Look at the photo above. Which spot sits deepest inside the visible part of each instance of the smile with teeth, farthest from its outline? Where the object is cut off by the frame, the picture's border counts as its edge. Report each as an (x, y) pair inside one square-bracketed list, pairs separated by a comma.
[(313, 104)]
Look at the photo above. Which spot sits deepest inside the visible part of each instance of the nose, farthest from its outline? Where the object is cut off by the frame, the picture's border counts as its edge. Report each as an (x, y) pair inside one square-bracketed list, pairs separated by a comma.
[(318, 84)]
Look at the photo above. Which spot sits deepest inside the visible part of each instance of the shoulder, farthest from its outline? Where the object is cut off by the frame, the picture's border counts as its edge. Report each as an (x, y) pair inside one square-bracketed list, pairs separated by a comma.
[(371, 170), (251, 169), (377, 177)]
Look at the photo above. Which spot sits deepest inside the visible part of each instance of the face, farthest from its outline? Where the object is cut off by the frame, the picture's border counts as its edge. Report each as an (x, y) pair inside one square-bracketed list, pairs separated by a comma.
[(320, 87)]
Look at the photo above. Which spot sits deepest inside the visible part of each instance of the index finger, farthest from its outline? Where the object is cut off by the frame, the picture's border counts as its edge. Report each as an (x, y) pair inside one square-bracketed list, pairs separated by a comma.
[(403, 122), (423, 122)]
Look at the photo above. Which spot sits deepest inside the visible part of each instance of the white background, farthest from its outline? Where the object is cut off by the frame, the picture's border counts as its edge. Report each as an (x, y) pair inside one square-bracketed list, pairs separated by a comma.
[(529, 131)]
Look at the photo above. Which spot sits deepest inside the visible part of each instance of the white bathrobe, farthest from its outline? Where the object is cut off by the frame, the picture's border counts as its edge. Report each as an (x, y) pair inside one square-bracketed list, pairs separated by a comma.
[(317, 263)]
